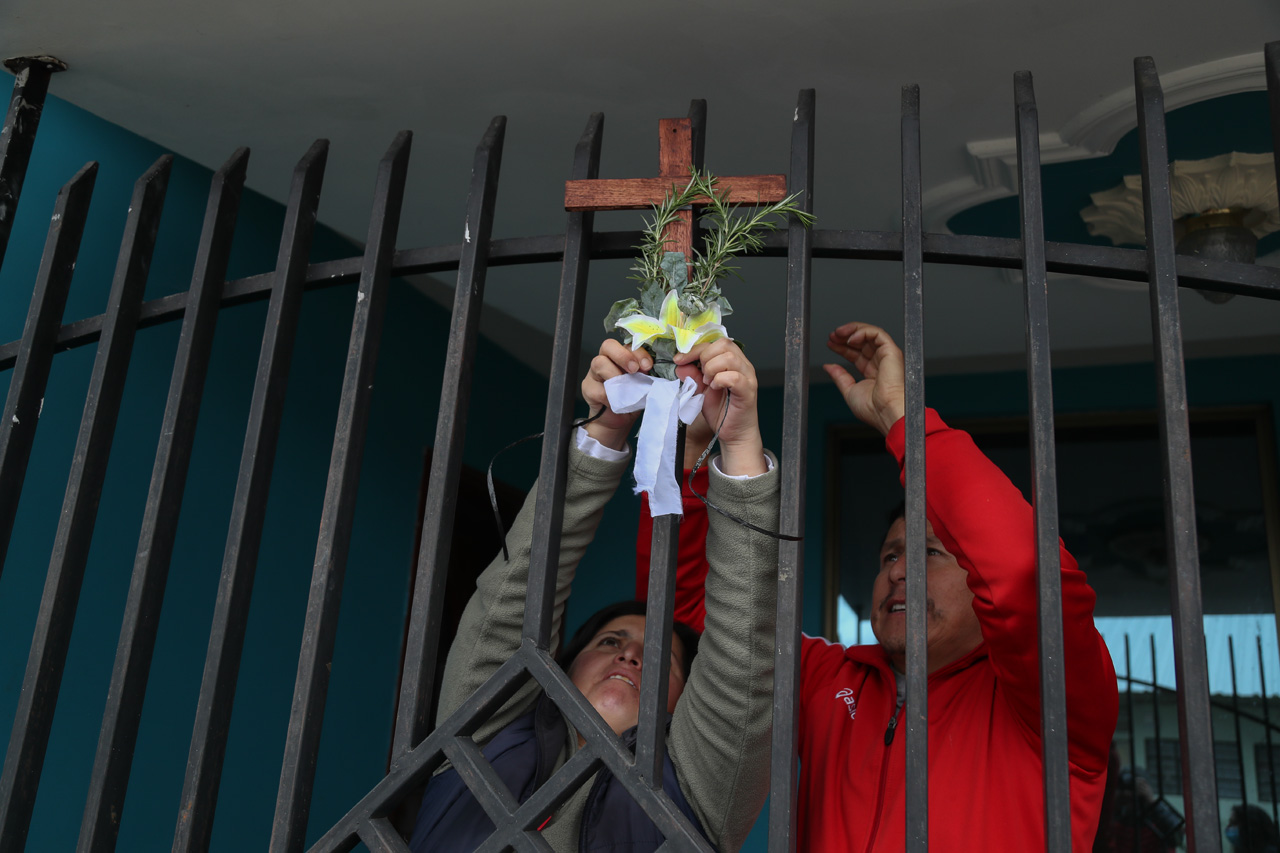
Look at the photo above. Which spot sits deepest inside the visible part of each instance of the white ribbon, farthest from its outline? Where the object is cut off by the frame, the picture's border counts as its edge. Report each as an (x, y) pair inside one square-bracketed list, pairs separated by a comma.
[(664, 401)]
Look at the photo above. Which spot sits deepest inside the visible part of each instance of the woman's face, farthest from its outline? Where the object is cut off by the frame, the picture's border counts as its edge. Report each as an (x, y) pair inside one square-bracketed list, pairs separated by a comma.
[(607, 671)]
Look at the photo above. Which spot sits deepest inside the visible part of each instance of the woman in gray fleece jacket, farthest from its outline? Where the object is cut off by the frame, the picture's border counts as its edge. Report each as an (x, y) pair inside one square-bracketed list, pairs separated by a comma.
[(718, 739)]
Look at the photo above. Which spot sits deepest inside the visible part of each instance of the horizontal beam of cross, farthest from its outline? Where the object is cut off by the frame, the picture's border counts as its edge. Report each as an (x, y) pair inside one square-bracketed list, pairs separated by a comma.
[(641, 193)]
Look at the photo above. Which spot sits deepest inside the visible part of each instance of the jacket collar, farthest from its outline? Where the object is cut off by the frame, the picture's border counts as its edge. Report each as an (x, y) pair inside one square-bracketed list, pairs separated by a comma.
[(874, 655)]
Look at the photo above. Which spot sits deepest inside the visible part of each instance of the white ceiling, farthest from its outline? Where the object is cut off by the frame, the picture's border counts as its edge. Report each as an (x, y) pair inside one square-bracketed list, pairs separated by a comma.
[(204, 78)]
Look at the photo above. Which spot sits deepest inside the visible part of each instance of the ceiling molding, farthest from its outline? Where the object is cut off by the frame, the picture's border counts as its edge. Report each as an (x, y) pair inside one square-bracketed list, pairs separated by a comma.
[(1093, 132)]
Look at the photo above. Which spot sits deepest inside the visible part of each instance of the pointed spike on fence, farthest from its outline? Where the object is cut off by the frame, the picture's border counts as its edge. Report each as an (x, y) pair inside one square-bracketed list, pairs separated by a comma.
[(418, 678), (1056, 769), (311, 684), (18, 133), (793, 458), (561, 395), (30, 376), (1191, 667), (37, 700), (1272, 53), (100, 820), (915, 712), (173, 453)]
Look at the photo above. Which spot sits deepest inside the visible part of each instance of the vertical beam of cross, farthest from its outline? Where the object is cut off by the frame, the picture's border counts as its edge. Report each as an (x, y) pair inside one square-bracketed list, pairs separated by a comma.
[(675, 159)]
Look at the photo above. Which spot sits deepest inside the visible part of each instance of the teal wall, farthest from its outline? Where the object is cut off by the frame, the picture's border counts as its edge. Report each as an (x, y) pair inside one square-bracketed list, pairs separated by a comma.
[(359, 716)]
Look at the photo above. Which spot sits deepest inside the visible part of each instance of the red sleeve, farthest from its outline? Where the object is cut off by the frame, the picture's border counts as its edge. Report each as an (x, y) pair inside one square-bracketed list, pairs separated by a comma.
[(691, 558), (986, 523)]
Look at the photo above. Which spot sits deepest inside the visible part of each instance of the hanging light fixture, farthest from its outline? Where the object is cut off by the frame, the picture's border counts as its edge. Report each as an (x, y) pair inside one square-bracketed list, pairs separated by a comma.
[(1221, 206)]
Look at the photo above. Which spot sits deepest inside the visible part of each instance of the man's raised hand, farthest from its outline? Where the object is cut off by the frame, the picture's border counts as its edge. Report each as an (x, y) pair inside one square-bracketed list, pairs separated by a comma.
[(721, 367), (879, 398)]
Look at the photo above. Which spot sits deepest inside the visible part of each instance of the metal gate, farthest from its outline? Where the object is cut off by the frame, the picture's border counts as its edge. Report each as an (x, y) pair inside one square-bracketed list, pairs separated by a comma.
[(417, 749)]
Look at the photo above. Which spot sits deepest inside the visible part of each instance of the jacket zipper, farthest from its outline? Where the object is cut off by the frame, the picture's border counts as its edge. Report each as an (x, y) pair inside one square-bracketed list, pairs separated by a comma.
[(884, 773)]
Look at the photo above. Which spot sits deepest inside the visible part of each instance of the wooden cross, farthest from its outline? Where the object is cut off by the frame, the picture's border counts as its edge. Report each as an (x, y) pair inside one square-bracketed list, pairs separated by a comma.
[(675, 159)]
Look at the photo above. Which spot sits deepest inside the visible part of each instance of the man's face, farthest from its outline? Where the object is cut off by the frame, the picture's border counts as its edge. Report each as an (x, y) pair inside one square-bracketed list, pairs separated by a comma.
[(953, 626), (607, 671)]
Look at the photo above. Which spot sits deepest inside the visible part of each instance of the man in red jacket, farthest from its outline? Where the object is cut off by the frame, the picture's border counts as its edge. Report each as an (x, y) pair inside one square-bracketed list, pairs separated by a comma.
[(985, 767)]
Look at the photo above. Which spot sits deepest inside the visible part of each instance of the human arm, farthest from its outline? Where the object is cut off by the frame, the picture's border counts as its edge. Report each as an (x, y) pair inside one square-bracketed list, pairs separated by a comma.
[(719, 738), (984, 521), (491, 628), (988, 526)]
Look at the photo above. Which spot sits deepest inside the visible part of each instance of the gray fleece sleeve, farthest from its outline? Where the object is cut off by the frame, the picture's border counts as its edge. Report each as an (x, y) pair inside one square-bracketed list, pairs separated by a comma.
[(493, 621), (720, 734)]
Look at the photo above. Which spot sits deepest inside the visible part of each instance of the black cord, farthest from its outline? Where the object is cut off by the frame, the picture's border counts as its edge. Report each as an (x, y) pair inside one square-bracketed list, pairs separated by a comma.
[(493, 495), (698, 464)]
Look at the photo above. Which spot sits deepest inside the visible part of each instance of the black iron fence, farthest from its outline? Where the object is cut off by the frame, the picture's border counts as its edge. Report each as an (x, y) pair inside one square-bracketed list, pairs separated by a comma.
[(417, 749)]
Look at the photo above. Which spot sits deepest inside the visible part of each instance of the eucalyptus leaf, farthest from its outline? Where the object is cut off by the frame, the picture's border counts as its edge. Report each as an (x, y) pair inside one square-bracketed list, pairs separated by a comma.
[(620, 309), (690, 304), (651, 296), (664, 350), (725, 308), (676, 269)]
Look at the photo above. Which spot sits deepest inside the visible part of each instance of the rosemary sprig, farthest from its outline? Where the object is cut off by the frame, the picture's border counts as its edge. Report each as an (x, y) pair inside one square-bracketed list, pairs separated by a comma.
[(729, 234)]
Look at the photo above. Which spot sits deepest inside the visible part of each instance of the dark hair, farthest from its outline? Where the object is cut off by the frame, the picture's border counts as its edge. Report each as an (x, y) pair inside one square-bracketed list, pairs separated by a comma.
[(899, 511), (605, 615), (1257, 831)]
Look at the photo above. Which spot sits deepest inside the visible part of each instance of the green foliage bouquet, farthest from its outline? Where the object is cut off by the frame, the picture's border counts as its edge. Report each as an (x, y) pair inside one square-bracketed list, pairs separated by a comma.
[(676, 312)]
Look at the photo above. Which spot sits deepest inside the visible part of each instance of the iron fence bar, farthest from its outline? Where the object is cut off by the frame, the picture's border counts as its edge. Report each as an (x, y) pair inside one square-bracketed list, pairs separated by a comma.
[(793, 461), (416, 707), (208, 739), (567, 344), (93, 446), (1266, 722), (670, 821), (998, 252), (1044, 480), (320, 626), (606, 746), (479, 776), (544, 801), (142, 607), (381, 837), (1235, 707), (35, 350), (253, 482), (1216, 703), (492, 795), (39, 695), (1272, 52), (1191, 667), (18, 136), (1067, 258), (1155, 724), (665, 543), (160, 517), (955, 249), (659, 622), (1133, 752), (425, 757), (698, 132), (916, 713)]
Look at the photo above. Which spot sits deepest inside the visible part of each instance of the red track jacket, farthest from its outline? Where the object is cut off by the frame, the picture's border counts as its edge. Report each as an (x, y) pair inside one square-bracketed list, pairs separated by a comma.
[(985, 785)]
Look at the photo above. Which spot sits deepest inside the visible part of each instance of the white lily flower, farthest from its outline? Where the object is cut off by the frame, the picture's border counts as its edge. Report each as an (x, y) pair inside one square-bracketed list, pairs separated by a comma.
[(687, 331)]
